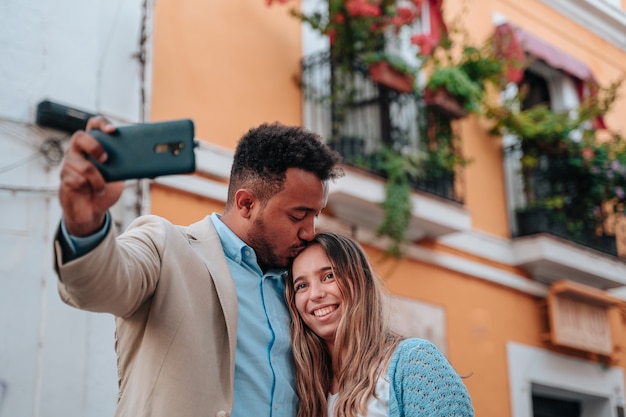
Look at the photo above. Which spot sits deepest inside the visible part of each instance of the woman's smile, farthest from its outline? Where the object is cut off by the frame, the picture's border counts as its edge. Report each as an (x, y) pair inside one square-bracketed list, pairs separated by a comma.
[(324, 311)]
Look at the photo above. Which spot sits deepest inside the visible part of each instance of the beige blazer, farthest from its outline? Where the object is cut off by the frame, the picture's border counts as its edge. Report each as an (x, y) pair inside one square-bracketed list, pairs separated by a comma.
[(176, 315)]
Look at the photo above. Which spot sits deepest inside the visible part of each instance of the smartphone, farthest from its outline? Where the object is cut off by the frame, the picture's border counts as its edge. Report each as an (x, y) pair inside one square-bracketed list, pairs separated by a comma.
[(147, 150)]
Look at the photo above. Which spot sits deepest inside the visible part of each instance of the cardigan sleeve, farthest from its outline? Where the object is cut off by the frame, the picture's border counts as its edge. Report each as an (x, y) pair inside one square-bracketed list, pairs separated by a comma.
[(424, 384)]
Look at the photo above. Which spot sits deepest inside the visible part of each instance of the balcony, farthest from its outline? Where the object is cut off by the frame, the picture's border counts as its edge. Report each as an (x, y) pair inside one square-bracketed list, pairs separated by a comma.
[(559, 200), (356, 200), (360, 118), (557, 230), (537, 220)]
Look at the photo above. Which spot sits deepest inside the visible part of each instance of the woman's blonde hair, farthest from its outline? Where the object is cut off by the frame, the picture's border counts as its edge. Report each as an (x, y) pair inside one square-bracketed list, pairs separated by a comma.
[(362, 338)]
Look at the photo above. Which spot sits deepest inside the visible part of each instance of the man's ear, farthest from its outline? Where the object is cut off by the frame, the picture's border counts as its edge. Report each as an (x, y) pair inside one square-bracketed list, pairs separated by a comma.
[(245, 201)]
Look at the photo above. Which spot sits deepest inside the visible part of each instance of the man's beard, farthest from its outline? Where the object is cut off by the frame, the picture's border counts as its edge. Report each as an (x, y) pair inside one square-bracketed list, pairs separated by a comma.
[(260, 241)]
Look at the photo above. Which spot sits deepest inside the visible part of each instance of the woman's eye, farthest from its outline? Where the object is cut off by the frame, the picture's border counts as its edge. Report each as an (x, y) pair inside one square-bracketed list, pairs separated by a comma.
[(298, 287), (329, 276)]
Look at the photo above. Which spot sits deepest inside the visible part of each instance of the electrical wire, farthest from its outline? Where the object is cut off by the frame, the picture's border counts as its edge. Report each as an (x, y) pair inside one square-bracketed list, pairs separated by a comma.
[(51, 150), (34, 190), (17, 164)]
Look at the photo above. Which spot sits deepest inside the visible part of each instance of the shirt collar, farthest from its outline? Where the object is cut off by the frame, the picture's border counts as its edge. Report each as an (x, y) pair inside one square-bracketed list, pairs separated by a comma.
[(234, 248)]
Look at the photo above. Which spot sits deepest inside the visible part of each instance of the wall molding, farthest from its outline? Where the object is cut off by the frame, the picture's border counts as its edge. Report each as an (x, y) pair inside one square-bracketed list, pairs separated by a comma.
[(600, 17)]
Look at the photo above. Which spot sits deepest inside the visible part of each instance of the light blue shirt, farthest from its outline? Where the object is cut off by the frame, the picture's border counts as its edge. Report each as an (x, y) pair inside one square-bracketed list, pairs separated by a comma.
[(264, 370)]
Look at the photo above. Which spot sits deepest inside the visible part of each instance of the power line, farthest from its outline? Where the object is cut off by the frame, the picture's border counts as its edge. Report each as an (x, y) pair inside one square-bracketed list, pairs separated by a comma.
[(25, 189), (17, 164), (50, 149)]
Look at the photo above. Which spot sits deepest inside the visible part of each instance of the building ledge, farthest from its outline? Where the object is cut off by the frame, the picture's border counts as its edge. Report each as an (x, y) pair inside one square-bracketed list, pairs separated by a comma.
[(550, 259), (356, 199), (545, 257)]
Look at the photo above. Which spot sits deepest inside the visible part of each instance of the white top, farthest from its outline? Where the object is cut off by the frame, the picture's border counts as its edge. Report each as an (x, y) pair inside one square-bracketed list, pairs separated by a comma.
[(377, 406)]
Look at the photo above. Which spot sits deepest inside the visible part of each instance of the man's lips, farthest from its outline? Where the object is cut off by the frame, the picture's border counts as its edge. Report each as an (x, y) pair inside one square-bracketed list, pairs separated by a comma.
[(297, 249)]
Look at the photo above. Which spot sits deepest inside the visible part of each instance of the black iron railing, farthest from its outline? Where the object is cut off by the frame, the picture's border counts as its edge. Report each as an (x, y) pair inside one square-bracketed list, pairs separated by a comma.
[(557, 202), (534, 220), (360, 117)]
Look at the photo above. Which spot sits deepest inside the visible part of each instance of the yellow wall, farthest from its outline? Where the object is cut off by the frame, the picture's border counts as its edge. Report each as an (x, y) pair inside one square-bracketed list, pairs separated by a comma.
[(228, 65), (181, 207), (480, 319)]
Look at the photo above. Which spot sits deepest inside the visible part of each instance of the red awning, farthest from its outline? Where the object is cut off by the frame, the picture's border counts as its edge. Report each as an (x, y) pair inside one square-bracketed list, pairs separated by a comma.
[(549, 53), (509, 40)]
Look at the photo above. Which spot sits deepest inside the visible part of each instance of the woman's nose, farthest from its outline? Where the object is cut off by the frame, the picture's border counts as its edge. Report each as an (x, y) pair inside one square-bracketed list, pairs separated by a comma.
[(317, 292)]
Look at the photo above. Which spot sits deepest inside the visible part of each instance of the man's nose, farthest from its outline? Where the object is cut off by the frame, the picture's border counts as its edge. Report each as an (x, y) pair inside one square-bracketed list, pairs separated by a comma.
[(307, 231)]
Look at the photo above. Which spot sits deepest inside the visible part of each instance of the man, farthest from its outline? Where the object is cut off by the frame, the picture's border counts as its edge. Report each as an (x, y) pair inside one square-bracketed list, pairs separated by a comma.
[(202, 328)]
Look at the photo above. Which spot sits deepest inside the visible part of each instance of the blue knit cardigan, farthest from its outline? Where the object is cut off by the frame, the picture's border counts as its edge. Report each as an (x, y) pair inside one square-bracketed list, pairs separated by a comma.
[(424, 384)]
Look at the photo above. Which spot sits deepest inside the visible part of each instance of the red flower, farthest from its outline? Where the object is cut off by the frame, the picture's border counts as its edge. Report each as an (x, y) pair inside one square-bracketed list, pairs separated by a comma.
[(405, 16), (332, 33), (425, 41), (587, 153), (509, 49), (362, 8)]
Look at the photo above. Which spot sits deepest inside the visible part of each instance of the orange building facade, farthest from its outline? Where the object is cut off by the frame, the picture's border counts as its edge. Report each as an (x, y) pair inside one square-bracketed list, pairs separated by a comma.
[(535, 323)]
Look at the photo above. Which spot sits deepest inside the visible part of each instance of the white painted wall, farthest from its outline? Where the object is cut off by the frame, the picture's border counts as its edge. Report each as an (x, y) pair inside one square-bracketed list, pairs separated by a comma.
[(55, 360)]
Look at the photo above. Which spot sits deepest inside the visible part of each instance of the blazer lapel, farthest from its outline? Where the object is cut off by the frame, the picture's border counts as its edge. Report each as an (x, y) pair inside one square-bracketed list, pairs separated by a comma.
[(204, 239)]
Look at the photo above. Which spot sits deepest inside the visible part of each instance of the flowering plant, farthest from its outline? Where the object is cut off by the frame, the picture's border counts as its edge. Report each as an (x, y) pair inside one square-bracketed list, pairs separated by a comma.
[(583, 162), (356, 28), (465, 69)]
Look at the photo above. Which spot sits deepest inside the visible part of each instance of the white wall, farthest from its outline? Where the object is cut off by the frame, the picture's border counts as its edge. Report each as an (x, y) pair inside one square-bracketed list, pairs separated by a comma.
[(54, 360)]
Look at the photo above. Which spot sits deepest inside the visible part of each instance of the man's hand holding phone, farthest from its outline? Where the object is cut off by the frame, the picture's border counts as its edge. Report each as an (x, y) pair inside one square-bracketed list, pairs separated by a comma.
[(99, 159), (84, 195)]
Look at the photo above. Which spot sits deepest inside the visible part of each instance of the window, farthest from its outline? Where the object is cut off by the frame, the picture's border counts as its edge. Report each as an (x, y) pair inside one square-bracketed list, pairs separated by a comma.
[(361, 115), (547, 86), (553, 407), (544, 381), (375, 115), (543, 185)]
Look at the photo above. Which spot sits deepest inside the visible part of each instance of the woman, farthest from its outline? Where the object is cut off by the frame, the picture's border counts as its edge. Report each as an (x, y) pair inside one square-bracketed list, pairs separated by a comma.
[(348, 362)]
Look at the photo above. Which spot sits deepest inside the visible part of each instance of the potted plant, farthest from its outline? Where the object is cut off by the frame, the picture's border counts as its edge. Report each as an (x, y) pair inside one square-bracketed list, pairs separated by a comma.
[(390, 71), (450, 91), (356, 31), (459, 72)]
